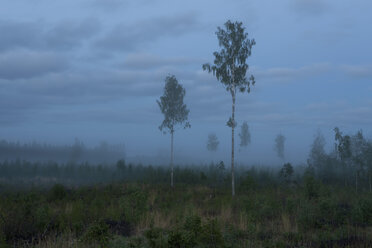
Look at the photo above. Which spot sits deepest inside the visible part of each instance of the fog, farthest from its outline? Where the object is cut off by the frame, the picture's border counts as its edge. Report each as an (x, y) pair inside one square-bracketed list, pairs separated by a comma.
[(190, 147), (96, 74)]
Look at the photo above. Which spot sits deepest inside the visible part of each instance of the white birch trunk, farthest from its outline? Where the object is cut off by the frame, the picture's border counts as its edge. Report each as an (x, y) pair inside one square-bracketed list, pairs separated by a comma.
[(171, 162), (232, 145)]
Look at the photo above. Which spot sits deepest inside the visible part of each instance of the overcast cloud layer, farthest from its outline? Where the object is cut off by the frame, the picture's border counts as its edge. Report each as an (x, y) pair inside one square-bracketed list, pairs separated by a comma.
[(94, 69)]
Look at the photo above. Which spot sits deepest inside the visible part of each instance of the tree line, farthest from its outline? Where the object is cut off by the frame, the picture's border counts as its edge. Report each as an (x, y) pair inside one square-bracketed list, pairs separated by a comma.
[(76, 153)]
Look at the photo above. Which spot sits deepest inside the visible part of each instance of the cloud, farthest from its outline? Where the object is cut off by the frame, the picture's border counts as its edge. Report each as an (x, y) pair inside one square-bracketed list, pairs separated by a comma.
[(107, 5), (40, 35), (309, 7), (148, 61), (27, 64), (124, 37), (361, 71), (288, 74), (20, 34), (69, 34)]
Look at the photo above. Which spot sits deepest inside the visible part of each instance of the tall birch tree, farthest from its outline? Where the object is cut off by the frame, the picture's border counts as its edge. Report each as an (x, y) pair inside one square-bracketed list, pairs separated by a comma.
[(174, 110), (230, 69)]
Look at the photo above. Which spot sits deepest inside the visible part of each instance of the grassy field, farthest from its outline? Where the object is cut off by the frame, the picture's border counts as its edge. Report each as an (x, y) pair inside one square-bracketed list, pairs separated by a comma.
[(199, 211)]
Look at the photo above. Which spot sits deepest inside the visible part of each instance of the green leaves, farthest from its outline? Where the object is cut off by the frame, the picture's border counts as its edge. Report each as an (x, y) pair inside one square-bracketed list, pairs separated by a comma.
[(172, 106), (230, 63), (231, 123)]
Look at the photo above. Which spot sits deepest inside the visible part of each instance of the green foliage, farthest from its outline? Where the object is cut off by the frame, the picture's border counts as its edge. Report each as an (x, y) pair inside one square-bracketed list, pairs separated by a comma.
[(193, 224), (172, 106), (193, 214), (229, 64), (362, 212), (179, 238), (248, 183), (97, 233), (210, 234), (312, 186), (57, 192), (156, 238), (133, 204), (286, 172)]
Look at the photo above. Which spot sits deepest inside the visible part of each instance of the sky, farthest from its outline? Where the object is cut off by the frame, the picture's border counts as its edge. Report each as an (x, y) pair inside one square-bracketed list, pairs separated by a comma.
[(93, 69)]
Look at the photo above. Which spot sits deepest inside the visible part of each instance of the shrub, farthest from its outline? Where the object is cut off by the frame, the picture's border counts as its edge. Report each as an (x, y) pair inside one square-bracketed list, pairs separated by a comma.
[(97, 233), (211, 235), (362, 212), (181, 238), (311, 185), (133, 205), (248, 183), (193, 224), (155, 237), (57, 192)]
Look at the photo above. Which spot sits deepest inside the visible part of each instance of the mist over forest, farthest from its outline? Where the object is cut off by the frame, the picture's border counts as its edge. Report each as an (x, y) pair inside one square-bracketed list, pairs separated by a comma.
[(166, 124)]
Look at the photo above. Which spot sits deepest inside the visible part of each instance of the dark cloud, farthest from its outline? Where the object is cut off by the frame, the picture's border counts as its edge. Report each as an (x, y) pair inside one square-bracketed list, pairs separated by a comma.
[(26, 64), (20, 34), (126, 37), (46, 36), (310, 7), (71, 34), (148, 61)]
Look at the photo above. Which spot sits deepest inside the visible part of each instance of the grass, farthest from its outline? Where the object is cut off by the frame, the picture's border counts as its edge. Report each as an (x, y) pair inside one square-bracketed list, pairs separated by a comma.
[(197, 212)]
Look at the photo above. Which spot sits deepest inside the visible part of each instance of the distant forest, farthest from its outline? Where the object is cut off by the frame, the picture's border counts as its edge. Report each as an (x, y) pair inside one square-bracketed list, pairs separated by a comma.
[(75, 153)]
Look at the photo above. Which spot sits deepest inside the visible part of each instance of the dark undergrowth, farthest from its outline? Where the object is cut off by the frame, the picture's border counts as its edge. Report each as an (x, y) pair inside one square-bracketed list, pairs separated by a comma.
[(269, 210)]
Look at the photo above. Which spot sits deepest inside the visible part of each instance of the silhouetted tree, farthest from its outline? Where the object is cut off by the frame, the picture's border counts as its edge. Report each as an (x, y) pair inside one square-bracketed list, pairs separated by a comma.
[(317, 153), (213, 142), (245, 135), (359, 148), (230, 69), (286, 172), (279, 145), (174, 110), (343, 148), (368, 155)]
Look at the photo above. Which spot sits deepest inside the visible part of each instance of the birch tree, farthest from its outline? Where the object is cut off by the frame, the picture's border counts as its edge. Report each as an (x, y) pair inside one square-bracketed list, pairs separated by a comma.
[(245, 135), (279, 145), (174, 110), (213, 142), (230, 69)]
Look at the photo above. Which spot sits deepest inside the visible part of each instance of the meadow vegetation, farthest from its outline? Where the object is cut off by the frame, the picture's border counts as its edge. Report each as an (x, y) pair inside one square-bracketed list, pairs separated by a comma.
[(125, 205)]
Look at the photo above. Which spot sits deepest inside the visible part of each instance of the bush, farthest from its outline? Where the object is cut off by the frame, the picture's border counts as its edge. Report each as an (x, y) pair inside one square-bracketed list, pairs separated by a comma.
[(97, 233), (133, 205), (362, 212), (155, 237), (193, 224), (57, 192), (311, 185), (181, 238), (210, 235), (248, 184)]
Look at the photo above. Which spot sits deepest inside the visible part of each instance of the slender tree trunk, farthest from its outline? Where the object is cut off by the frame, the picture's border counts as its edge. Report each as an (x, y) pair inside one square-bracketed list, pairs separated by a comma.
[(232, 146), (356, 182), (370, 183), (345, 178), (172, 158)]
